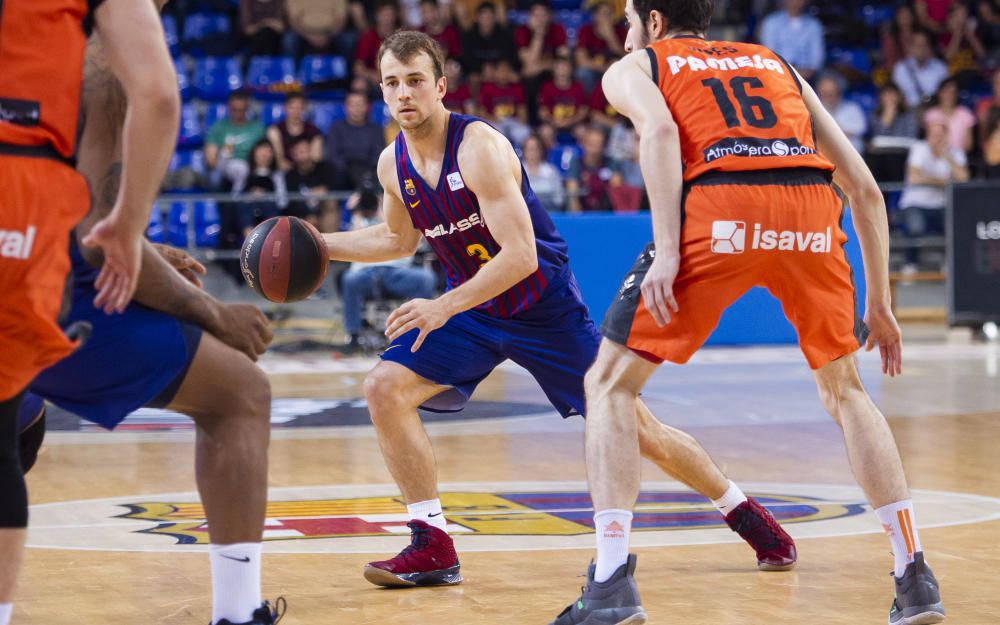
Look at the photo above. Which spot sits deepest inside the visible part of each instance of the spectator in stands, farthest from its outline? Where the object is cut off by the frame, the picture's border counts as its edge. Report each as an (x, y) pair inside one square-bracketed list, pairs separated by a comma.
[(963, 50), (391, 279), (931, 166), (262, 22), (228, 144), (458, 97), (562, 101), (502, 103), (848, 115), (797, 37), (599, 43), (991, 148), (958, 118), (920, 72), (319, 25), (988, 106), (538, 42), (932, 14), (893, 131), (439, 29), (264, 178), (989, 18), (897, 35), (486, 43), (294, 125), (545, 179), (354, 144), (627, 185), (310, 177), (591, 175), (466, 12), (365, 57)]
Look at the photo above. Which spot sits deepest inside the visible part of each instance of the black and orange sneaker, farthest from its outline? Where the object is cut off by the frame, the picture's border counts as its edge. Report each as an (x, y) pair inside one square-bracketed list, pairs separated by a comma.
[(430, 560), (264, 615), (775, 548)]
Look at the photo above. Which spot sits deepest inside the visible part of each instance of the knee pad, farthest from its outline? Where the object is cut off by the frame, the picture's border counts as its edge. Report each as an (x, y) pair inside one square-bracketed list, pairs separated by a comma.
[(13, 494), (31, 430)]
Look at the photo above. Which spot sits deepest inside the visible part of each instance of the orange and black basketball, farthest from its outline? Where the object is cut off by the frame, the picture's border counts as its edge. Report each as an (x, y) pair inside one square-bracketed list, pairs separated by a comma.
[(284, 259)]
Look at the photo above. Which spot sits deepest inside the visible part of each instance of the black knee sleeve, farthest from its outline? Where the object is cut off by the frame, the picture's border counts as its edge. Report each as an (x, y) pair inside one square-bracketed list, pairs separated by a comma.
[(29, 440), (13, 494)]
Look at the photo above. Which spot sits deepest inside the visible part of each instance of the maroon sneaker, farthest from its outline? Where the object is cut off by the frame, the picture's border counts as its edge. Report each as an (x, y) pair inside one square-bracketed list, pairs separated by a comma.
[(775, 548), (430, 560)]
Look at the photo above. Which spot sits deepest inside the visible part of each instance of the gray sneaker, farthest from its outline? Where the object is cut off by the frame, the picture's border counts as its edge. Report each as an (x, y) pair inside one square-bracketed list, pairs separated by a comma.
[(917, 601), (613, 602)]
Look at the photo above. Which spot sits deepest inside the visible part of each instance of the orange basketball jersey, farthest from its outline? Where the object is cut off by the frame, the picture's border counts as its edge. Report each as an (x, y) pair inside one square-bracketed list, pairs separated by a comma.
[(738, 106), (41, 66)]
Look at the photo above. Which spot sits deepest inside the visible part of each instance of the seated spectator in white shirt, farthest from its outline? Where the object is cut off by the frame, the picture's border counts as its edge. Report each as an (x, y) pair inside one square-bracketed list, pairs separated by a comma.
[(848, 115), (545, 179), (919, 73), (797, 37)]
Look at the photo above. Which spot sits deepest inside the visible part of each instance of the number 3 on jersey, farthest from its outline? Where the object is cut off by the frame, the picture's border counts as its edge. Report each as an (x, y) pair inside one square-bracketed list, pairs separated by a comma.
[(479, 252)]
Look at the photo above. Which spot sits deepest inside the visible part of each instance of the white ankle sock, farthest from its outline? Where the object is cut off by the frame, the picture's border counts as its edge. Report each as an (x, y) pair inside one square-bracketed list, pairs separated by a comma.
[(5, 611), (235, 581), (899, 523), (429, 512), (730, 499), (612, 527)]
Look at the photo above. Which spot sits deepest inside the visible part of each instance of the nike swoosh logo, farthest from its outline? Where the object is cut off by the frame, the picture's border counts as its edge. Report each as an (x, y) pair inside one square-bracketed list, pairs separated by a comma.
[(435, 514), (415, 204), (243, 559), (390, 347)]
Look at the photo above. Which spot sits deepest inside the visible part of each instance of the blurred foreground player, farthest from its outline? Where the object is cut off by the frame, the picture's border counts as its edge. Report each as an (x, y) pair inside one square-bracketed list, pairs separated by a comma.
[(511, 294), (42, 197), (174, 346), (733, 140)]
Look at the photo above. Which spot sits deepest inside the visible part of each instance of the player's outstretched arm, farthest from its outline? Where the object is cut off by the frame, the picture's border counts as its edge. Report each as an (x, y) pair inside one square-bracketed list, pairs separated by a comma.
[(630, 88), (394, 238), (870, 222), (137, 52)]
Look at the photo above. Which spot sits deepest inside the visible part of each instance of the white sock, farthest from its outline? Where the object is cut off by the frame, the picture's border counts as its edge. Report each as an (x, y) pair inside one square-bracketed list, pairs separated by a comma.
[(5, 611), (235, 581), (730, 499), (429, 512), (612, 527), (899, 523)]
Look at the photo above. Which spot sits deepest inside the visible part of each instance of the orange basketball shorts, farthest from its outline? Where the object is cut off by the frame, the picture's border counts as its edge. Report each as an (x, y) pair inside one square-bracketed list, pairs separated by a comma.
[(41, 200), (779, 230)]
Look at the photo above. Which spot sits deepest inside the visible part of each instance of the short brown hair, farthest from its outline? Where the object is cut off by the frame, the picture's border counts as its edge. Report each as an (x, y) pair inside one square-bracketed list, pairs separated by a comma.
[(683, 15), (407, 44)]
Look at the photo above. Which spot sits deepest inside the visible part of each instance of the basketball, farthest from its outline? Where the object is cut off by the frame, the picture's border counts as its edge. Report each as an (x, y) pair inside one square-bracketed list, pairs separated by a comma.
[(284, 259)]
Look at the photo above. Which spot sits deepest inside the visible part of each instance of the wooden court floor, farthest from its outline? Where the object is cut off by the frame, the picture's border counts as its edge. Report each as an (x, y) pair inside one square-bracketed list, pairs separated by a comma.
[(754, 410)]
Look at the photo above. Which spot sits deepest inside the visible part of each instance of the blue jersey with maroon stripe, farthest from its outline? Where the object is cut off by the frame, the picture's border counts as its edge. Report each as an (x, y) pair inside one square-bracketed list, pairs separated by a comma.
[(448, 216)]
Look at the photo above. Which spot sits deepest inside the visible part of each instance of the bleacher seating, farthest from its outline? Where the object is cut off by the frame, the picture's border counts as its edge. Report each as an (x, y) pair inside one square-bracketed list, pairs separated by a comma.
[(267, 74), (320, 74), (207, 33), (213, 113), (183, 82), (155, 231), (190, 134), (205, 216), (325, 113), (214, 78), (171, 35), (271, 112)]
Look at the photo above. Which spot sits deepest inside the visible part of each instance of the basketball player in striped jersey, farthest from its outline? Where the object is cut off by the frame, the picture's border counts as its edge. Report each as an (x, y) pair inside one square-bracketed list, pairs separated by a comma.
[(457, 181), (733, 140)]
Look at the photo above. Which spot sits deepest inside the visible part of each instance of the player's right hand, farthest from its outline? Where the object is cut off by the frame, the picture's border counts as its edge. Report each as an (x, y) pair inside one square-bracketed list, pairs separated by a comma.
[(244, 328), (122, 249), (658, 287), (184, 263), (884, 331)]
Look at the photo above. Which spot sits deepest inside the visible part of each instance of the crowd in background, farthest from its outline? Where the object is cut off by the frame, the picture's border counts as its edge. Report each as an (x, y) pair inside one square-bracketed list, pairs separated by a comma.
[(919, 95)]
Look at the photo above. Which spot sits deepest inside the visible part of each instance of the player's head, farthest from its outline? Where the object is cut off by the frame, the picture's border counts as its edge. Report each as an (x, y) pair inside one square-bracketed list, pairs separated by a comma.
[(652, 20), (411, 71), (295, 106)]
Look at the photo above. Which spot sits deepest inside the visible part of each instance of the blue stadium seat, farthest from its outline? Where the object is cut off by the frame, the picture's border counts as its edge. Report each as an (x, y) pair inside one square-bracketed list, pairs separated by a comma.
[(866, 99), (214, 78), (572, 21), (195, 159), (183, 82), (563, 157), (517, 18), (322, 69), (155, 231), (271, 112), (190, 134), (325, 113), (854, 58), (380, 114), (874, 15), (214, 112), (178, 218), (204, 32), (265, 73), (566, 5), (206, 223), (171, 35)]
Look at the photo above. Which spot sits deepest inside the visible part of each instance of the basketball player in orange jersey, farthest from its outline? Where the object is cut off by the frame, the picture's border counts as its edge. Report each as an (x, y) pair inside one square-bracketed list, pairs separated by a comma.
[(42, 197), (738, 156), (173, 346), (511, 294)]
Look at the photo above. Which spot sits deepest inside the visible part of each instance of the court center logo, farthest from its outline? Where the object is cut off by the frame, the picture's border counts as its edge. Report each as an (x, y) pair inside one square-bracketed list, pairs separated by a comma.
[(506, 516)]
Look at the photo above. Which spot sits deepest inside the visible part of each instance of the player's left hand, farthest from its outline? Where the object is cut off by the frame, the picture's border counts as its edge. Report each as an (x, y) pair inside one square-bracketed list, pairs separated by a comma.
[(884, 332), (426, 314), (658, 287), (184, 263), (119, 274)]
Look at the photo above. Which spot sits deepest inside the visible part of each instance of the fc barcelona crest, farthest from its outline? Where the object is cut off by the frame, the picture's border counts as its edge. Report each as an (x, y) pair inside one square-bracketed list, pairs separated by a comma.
[(410, 189)]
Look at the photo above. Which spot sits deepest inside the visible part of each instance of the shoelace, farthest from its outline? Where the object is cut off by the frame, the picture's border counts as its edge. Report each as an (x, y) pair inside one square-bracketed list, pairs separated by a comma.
[(280, 606), (755, 527), (418, 539)]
